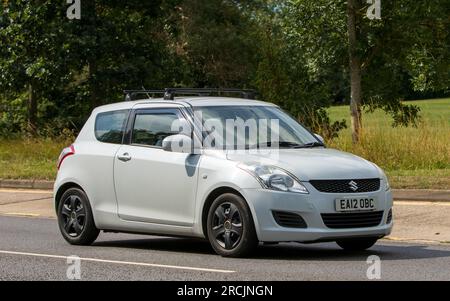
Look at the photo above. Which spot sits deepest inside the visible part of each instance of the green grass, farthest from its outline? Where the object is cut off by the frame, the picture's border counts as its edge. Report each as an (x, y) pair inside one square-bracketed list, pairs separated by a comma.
[(29, 158), (412, 157)]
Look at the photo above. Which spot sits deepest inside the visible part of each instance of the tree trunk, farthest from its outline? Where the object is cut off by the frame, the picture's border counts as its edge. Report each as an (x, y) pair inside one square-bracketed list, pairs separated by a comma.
[(94, 83), (32, 111), (355, 71)]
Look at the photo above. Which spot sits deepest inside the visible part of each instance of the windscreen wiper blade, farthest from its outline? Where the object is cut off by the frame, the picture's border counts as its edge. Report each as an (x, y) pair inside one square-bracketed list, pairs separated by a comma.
[(312, 144), (279, 144)]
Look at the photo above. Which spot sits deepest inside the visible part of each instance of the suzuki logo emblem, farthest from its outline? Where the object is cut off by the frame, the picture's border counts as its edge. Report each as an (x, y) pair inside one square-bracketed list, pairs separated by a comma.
[(353, 186)]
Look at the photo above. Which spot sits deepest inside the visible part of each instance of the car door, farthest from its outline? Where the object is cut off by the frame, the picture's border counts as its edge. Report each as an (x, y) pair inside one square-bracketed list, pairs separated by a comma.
[(153, 185)]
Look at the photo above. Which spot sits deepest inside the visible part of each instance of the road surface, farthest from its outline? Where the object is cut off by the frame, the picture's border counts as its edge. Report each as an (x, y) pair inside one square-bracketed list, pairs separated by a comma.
[(32, 249)]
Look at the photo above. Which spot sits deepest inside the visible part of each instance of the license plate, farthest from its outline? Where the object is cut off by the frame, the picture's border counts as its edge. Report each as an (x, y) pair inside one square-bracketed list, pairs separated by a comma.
[(355, 204)]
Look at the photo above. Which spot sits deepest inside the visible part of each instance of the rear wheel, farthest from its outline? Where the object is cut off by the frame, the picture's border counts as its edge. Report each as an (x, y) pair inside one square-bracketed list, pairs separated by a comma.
[(230, 226), (75, 218), (357, 244)]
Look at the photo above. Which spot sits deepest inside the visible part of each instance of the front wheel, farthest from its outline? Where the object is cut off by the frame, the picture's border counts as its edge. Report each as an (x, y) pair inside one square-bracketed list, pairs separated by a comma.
[(230, 226), (75, 218), (357, 244)]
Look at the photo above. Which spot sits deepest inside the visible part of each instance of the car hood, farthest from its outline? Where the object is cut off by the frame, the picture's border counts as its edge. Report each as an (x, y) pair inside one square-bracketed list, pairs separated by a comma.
[(311, 163)]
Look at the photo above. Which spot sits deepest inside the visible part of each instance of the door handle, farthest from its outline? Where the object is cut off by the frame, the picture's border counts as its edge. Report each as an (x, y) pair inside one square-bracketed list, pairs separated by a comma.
[(124, 157)]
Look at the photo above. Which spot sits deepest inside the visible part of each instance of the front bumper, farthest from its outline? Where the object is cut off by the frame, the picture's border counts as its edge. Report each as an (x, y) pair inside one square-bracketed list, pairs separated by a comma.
[(310, 206)]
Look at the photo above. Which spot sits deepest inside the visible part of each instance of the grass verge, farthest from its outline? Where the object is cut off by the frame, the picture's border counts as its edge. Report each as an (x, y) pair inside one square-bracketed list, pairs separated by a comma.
[(29, 158), (412, 157)]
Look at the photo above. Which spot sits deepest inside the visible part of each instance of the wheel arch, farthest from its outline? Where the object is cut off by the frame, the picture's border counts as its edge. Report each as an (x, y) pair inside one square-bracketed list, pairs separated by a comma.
[(210, 199), (63, 188)]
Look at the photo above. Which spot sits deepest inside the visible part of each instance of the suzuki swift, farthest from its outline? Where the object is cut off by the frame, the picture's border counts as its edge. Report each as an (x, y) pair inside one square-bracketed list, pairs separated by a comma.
[(167, 166)]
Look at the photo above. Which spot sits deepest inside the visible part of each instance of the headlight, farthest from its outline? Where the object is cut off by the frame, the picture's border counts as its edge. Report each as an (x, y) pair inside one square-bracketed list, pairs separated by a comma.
[(383, 177), (274, 178), (385, 180), (386, 183)]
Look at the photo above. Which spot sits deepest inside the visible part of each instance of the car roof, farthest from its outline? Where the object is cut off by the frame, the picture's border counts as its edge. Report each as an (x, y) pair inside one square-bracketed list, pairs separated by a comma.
[(199, 101)]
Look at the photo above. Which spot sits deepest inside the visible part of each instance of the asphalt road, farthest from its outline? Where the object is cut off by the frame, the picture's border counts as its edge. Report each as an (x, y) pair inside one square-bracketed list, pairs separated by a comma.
[(32, 249)]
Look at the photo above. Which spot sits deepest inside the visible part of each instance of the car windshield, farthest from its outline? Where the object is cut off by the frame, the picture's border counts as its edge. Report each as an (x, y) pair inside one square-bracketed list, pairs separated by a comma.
[(245, 127)]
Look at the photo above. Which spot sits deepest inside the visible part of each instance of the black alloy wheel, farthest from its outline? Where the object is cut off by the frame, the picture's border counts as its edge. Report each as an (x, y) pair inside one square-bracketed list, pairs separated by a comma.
[(75, 218), (74, 215), (230, 227), (227, 225)]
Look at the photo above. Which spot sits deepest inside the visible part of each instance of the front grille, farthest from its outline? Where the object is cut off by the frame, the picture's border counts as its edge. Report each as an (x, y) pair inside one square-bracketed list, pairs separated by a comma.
[(289, 219), (352, 220), (389, 217), (346, 186)]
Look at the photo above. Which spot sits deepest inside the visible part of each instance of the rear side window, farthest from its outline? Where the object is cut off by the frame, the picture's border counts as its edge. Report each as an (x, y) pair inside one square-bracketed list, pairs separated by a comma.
[(110, 126), (151, 128)]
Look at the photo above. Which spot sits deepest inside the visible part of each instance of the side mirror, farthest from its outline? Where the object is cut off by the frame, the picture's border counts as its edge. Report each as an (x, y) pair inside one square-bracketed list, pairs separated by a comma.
[(320, 138), (177, 144)]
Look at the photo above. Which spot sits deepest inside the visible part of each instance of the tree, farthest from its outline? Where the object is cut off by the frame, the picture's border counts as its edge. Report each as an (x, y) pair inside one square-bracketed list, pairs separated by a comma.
[(289, 76), (303, 55), (119, 45), (355, 69), (214, 41), (407, 47), (32, 52), (67, 67)]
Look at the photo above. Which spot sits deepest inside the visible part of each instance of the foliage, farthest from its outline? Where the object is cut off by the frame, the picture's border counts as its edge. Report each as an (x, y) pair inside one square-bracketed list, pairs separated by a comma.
[(53, 71), (284, 76), (214, 40), (32, 53), (406, 50)]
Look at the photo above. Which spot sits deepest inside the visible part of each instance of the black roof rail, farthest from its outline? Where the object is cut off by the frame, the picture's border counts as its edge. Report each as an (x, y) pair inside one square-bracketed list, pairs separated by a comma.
[(170, 93), (130, 93)]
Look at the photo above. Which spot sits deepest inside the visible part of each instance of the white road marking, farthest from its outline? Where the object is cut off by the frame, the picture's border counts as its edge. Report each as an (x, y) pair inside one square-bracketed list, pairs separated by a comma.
[(19, 214), (421, 203), (33, 191), (120, 262)]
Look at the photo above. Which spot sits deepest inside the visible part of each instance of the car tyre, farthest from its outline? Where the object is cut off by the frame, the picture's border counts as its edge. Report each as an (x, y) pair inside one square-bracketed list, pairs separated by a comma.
[(230, 226), (358, 244), (75, 219)]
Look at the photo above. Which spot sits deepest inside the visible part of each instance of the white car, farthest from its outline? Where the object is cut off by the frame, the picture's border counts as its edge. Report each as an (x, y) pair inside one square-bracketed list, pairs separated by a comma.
[(126, 173)]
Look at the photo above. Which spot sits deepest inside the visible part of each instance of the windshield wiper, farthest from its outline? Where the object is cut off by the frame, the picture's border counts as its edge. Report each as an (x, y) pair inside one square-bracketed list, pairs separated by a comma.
[(312, 144), (279, 144)]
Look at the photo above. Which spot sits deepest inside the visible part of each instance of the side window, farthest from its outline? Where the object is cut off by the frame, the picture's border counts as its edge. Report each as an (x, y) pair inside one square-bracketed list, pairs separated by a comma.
[(110, 126), (151, 128)]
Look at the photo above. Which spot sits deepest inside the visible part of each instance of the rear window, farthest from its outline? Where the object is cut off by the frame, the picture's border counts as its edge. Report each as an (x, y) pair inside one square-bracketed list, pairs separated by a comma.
[(110, 126)]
